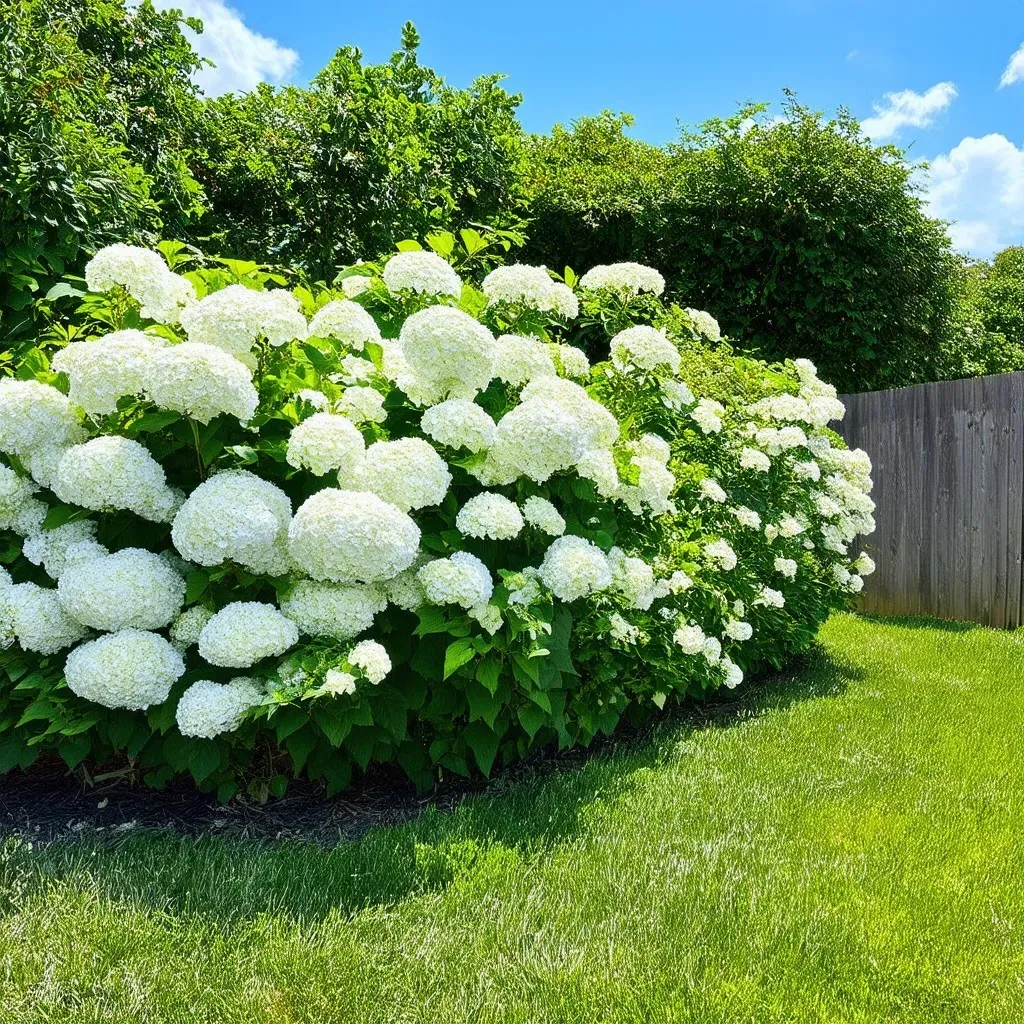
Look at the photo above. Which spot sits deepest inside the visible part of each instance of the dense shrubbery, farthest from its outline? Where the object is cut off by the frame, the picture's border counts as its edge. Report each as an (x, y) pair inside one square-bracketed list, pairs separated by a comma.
[(399, 520)]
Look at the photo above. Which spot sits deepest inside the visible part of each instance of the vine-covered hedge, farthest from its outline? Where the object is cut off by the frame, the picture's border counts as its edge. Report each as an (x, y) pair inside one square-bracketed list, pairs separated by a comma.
[(253, 531)]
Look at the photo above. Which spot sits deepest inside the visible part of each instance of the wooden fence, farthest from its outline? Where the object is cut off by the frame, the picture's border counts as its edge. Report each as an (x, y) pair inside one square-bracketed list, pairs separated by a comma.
[(949, 484)]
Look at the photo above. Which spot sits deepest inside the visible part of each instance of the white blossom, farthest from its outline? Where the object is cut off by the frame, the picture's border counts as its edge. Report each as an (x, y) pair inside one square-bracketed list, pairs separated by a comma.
[(372, 659), (332, 610), (245, 632), (708, 414), (201, 381), (363, 405), (543, 516), (208, 709), (458, 423), (719, 551), (704, 324), (628, 279), (786, 567), (34, 416), (710, 488), (644, 348), (460, 579), (424, 273), (185, 629), (327, 442), (131, 669), (162, 295), (518, 360), (573, 567), (37, 620), (490, 515), (346, 322), (751, 458), (689, 639), (408, 473)]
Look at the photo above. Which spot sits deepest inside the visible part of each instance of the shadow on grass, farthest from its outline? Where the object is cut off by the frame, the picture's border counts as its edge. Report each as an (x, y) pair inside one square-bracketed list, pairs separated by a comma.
[(924, 622), (546, 801)]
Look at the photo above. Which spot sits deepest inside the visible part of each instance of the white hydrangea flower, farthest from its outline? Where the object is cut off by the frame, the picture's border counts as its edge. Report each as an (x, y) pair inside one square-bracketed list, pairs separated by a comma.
[(185, 629), (524, 588), (712, 650), (363, 405), (566, 305), (552, 428), (628, 279), (346, 322), (130, 589), (132, 669), (356, 368), (751, 458), (655, 486), (235, 516), (747, 517), (708, 415), (372, 659), (676, 395), (338, 683), (355, 284), (719, 551), (42, 463), (15, 496), (459, 423), (732, 673), (37, 621), (704, 324), (790, 527), (736, 629), (408, 473), (448, 354), (599, 466), (34, 416), (490, 515), (326, 442), (770, 598), (786, 567), (330, 610), (519, 360), (542, 515), (713, 490), (405, 590), (573, 361), (632, 579), (163, 295), (460, 579), (809, 470), (652, 446), (208, 709), (645, 348), (352, 536), (234, 318), (315, 398), (105, 370), (201, 381), (519, 283), (678, 582), (424, 273), (245, 632), (864, 564), (689, 639), (621, 630), (573, 567), (49, 548), (116, 473)]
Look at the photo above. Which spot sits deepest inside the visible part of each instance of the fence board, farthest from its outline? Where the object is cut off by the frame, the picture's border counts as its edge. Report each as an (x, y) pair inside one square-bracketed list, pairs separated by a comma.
[(949, 485)]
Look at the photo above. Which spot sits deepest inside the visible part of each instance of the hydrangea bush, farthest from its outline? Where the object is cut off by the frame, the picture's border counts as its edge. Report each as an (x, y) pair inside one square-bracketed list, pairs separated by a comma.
[(251, 531)]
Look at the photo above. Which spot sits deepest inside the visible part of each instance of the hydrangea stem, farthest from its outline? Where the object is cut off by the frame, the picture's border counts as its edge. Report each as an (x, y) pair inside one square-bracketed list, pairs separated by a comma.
[(199, 453)]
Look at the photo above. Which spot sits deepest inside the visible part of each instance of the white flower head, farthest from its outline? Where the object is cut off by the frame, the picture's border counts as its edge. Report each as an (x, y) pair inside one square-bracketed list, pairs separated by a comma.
[(573, 568), (644, 348), (346, 322), (35, 416), (711, 489), (543, 516), (704, 324), (424, 273), (333, 610), (459, 423), (408, 473), (460, 579), (520, 359), (785, 567), (689, 639), (628, 279), (719, 551), (36, 619), (363, 404), (162, 294), (208, 709), (533, 287), (185, 629), (131, 669), (751, 458), (235, 516), (707, 414), (352, 536), (490, 515), (327, 442), (201, 381), (372, 659), (245, 632)]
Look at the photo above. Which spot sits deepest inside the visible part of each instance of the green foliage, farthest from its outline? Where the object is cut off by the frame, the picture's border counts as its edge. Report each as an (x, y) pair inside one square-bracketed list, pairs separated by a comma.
[(996, 294), (97, 115), (801, 237), (366, 156)]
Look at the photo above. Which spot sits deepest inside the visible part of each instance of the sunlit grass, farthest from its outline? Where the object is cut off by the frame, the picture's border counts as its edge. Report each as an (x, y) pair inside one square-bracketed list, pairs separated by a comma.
[(847, 844)]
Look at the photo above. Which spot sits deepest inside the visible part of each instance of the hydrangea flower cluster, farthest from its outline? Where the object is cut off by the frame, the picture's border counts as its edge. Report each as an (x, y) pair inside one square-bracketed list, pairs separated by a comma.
[(355, 496)]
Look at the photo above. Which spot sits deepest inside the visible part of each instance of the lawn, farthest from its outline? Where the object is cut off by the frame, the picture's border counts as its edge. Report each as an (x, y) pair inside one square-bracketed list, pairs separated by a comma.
[(845, 843)]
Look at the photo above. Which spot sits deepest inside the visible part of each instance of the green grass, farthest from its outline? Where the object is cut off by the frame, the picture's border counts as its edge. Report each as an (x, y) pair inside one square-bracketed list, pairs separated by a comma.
[(846, 845)]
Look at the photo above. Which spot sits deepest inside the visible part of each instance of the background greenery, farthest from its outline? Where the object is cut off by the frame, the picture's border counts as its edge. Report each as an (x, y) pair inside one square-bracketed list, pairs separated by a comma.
[(799, 236), (840, 845)]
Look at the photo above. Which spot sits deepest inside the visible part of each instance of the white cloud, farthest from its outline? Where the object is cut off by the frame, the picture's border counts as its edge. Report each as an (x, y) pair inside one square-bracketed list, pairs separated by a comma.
[(908, 109), (979, 186), (852, 55), (1014, 70), (243, 58)]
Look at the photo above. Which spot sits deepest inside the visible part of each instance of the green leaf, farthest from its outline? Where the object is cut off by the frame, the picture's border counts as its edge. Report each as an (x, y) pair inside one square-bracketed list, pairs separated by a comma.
[(483, 742), (334, 724), (488, 672), (432, 620), (195, 584), (299, 745), (442, 242), (152, 421), (482, 703), (64, 290), (459, 652), (73, 750), (203, 759), (532, 718), (409, 245), (61, 514)]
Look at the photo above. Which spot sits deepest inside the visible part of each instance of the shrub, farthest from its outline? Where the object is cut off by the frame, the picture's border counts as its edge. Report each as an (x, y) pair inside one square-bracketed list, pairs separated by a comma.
[(282, 531), (806, 239)]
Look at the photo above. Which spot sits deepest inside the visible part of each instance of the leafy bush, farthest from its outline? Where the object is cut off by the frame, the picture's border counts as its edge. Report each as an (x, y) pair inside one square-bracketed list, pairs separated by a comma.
[(97, 114), (804, 237), (398, 520), (997, 298)]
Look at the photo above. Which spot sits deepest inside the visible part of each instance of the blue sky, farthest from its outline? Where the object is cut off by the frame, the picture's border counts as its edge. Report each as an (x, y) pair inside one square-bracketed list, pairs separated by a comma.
[(925, 75)]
